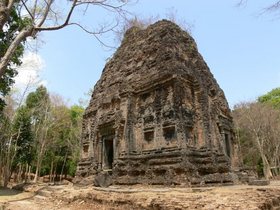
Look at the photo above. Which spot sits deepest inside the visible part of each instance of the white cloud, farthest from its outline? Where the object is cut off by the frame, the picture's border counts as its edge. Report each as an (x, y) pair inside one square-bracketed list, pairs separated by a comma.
[(29, 73)]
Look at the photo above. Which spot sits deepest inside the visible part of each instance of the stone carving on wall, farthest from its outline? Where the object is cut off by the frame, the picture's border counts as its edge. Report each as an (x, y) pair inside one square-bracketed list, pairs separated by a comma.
[(157, 115)]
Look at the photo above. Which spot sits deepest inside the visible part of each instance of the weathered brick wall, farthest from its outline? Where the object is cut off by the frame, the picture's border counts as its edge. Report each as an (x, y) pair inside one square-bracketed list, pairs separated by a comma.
[(157, 98)]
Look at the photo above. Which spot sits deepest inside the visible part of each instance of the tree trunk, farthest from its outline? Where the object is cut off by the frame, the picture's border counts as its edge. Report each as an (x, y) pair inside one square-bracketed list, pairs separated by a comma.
[(28, 176), (8, 164), (64, 162), (19, 175), (26, 173), (6, 176), (1, 166), (55, 173), (39, 162), (51, 171), (26, 32), (266, 167), (38, 166), (3, 15)]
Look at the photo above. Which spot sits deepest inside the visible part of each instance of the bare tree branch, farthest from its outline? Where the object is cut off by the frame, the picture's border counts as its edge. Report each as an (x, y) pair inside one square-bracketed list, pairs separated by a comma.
[(10, 4), (273, 7), (241, 2), (39, 28), (41, 11), (46, 12), (95, 33), (25, 7), (12, 48), (34, 8)]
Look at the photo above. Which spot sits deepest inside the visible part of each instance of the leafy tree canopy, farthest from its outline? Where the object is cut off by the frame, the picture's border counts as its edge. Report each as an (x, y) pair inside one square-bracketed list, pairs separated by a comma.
[(38, 98), (76, 113), (24, 136), (7, 36), (272, 98)]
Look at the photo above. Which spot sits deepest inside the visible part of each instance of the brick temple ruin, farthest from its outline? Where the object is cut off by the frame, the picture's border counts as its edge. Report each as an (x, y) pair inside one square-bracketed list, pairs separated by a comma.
[(157, 115)]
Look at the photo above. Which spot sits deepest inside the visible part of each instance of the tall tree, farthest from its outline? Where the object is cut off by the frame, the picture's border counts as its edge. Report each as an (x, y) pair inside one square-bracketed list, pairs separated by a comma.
[(5, 144), (39, 105), (6, 140), (42, 135), (62, 153), (13, 24), (261, 124), (24, 139)]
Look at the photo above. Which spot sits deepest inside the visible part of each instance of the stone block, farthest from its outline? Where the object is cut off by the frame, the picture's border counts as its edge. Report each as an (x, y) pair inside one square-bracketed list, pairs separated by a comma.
[(259, 182)]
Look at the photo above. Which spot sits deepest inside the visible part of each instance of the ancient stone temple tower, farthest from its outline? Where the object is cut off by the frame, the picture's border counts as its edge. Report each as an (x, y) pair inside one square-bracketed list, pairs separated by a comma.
[(157, 115)]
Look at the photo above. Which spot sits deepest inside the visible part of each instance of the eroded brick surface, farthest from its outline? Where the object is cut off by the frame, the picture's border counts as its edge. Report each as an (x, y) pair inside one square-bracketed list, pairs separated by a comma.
[(157, 115)]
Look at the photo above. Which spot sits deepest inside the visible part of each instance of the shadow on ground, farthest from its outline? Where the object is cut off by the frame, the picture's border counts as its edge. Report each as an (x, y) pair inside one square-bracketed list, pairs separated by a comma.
[(8, 192)]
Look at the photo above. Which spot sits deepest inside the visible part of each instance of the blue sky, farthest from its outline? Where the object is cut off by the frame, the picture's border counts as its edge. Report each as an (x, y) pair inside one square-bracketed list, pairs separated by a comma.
[(240, 46)]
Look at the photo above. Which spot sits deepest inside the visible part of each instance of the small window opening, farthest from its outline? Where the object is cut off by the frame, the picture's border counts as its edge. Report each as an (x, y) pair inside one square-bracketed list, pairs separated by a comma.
[(85, 148), (145, 96), (149, 135), (169, 133)]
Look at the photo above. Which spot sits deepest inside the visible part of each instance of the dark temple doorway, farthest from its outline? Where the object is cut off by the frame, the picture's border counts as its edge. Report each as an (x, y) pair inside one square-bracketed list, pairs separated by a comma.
[(107, 133), (227, 144), (108, 153)]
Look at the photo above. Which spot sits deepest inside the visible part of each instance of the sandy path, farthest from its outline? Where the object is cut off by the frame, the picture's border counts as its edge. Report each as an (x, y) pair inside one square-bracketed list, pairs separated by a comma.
[(68, 197)]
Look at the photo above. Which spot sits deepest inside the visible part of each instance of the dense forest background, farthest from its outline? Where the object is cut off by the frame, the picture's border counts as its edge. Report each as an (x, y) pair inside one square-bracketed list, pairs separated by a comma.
[(258, 130), (39, 136)]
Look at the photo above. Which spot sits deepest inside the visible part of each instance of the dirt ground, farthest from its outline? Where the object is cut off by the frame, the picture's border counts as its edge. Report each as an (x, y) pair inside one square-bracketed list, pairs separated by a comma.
[(45, 197)]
